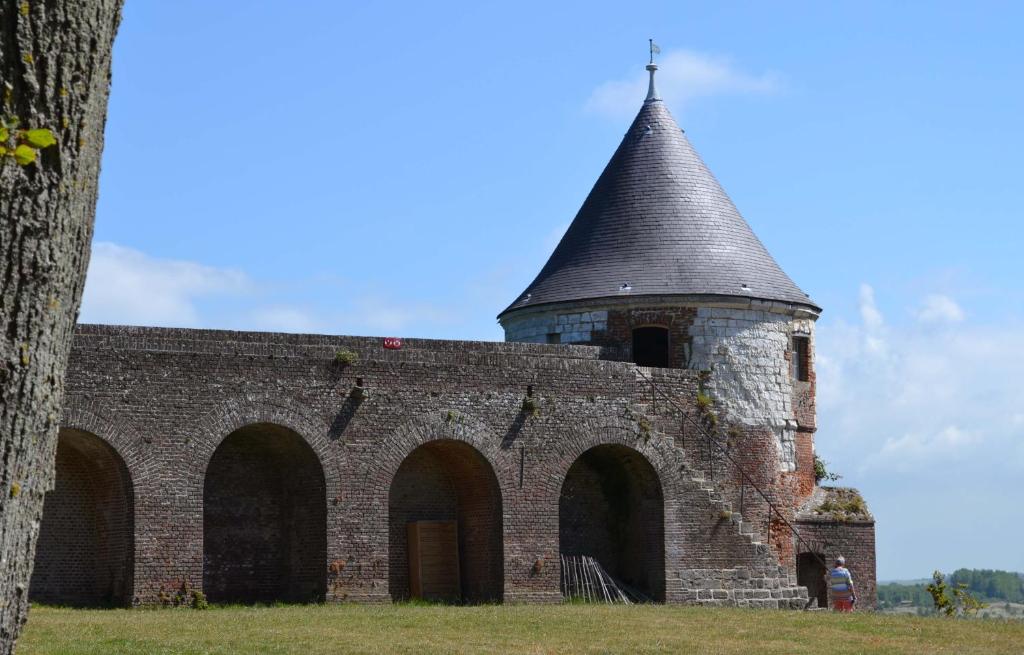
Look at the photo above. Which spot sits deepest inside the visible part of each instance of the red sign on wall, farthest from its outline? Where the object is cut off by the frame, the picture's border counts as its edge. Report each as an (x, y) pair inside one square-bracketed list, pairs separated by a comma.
[(392, 343)]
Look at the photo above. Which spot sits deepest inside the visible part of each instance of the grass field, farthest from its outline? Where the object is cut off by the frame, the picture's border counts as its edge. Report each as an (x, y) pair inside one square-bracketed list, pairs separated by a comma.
[(316, 630)]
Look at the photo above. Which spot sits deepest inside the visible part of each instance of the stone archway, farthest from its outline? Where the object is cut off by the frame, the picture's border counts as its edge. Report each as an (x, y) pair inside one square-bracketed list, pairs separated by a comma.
[(449, 480), (85, 553), (264, 518), (611, 508)]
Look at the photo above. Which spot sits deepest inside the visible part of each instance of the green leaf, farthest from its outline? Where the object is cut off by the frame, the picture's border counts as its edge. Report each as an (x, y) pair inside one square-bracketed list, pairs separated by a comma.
[(12, 122), (40, 138), (4, 134), (3, 151), (24, 155)]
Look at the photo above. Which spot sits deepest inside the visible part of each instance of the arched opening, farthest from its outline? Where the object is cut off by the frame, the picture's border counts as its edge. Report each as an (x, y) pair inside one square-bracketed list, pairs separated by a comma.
[(650, 346), (264, 519), (86, 547), (810, 573), (611, 509), (445, 539)]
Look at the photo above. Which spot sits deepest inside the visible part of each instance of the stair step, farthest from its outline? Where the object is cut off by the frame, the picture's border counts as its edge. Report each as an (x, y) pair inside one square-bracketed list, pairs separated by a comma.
[(669, 427)]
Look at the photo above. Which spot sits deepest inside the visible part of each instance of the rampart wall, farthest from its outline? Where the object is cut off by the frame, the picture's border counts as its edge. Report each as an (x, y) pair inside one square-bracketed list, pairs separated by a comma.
[(189, 412)]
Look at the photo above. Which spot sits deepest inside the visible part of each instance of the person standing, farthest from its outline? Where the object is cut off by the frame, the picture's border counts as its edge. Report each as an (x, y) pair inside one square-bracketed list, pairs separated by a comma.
[(841, 583)]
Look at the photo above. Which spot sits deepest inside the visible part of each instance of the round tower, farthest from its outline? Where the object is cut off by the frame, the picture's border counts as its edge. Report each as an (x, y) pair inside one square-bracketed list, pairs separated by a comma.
[(659, 268)]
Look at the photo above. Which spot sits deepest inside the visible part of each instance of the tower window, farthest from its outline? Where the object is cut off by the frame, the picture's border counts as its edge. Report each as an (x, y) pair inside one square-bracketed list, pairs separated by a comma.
[(801, 358), (650, 346), (554, 337)]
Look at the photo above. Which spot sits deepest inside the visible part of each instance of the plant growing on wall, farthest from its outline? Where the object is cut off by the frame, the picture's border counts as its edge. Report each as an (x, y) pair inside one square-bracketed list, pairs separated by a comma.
[(821, 471), (346, 357), (185, 596)]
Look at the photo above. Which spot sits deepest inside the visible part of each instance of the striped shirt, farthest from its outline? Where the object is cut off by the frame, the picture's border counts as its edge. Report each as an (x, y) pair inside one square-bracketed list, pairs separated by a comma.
[(841, 582)]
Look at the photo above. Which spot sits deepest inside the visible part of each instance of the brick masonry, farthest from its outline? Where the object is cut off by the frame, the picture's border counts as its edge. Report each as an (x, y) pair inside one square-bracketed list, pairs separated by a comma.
[(854, 540), (440, 432), (747, 349)]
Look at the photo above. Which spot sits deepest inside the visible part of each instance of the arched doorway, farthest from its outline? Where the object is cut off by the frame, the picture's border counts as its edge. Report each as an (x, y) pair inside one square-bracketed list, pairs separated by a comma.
[(264, 519), (810, 573), (85, 553), (650, 346), (611, 509), (445, 486)]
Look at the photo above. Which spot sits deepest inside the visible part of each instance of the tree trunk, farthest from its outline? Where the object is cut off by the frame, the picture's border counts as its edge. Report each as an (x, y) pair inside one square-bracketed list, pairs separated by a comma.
[(54, 74)]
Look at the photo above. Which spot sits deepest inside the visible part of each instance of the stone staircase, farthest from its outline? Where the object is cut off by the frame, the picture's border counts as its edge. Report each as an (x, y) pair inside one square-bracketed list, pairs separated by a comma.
[(767, 585)]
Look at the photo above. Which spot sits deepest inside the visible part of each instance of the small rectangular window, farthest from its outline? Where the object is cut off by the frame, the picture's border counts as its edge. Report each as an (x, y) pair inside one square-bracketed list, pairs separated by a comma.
[(554, 337), (801, 358)]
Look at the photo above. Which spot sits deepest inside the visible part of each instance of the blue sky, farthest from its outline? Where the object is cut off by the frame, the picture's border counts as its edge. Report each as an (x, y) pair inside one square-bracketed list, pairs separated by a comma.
[(405, 169)]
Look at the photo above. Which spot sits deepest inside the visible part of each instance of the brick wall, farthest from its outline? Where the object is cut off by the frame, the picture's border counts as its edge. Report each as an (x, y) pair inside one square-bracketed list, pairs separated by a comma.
[(264, 536), (85, 548), (443, 481), (855, 541), (165, 400), (611, 508)]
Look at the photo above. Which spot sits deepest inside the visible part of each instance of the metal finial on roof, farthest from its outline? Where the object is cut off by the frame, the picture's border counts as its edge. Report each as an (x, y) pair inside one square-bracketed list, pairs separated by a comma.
[(652, 92), (658, 223)]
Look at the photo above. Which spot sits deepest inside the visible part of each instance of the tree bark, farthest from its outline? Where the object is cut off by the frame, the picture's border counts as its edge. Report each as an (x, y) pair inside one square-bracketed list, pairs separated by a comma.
[(54, 74)]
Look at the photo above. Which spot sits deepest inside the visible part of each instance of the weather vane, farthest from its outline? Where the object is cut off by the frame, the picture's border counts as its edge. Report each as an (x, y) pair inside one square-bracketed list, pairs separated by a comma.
[(655, 50)]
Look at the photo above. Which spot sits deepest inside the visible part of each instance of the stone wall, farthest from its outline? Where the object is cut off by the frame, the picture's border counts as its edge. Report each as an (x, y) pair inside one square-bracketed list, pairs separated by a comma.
[(746, 347), (746, 344), (166, 399)]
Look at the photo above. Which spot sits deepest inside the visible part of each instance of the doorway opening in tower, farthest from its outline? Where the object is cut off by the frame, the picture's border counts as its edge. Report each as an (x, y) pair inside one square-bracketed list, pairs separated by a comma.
[(650, 346), (445, 541), (85, 553), (611, 511), (264, 519)]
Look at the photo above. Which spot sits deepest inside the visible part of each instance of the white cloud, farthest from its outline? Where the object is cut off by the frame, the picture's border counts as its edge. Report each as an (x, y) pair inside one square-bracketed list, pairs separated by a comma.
[(937, 308), (917, 444), (868, 309), (682, 76), (903, 396), (126, 286), (927, 419)]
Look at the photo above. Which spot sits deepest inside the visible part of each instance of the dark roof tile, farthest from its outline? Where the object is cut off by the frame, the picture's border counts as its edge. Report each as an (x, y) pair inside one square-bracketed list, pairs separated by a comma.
[(658, 219)]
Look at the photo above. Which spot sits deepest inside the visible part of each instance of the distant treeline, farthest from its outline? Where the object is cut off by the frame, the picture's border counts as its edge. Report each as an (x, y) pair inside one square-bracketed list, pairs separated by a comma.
[(984, 584)]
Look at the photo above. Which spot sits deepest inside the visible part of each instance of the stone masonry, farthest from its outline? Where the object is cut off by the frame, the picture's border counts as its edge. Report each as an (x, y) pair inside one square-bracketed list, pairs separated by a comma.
[(166, 402)]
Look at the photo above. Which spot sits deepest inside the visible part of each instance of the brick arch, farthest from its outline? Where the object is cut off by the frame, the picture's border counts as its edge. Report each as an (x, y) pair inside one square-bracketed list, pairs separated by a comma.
[(264, 512), (85, 555), (234, 415), (435, 426), (581, 436), (614, 500), (442, 467), (117, 432)]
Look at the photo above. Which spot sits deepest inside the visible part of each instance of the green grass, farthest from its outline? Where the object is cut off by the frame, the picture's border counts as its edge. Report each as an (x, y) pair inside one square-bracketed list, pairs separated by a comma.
[(316, 630)]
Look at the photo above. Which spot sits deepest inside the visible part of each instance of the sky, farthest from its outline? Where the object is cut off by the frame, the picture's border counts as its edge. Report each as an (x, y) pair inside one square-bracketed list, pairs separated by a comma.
[(405, 169)]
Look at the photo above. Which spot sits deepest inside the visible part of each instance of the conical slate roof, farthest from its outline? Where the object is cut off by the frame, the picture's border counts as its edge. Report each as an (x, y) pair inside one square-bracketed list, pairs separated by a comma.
[(657, 222)]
